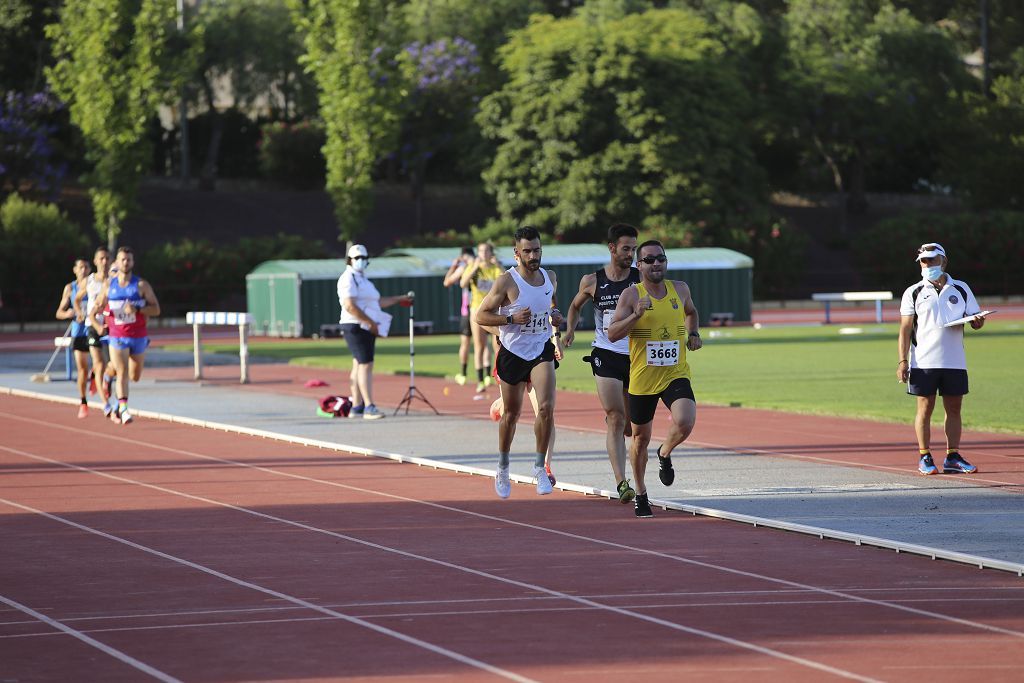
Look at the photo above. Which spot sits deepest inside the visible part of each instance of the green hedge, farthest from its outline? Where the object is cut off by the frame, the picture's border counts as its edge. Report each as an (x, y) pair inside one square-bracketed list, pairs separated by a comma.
[(38, 248), (984, 249), (196, 275)]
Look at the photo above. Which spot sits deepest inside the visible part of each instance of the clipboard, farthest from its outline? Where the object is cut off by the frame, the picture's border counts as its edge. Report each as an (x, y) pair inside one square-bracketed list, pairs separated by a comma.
[(383, 321), (968, 318)]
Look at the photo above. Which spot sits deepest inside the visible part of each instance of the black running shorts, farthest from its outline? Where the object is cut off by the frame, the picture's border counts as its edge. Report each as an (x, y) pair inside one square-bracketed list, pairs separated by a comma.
[(511, 369), (605, 363), (80, 343), (95, 338), (926, 381), (642, 406), (465, 329)]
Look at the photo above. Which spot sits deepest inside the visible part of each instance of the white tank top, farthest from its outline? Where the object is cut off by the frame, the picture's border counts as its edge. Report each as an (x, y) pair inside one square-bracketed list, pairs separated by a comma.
[(527, 341), (93, 289)]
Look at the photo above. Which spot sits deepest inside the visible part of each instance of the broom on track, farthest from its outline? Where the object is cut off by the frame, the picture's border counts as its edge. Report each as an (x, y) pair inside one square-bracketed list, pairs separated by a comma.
[(44, 376)]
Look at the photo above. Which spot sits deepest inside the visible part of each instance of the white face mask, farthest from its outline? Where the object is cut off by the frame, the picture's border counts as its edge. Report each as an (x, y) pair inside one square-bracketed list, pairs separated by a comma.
[(359, 264), (931, 273)]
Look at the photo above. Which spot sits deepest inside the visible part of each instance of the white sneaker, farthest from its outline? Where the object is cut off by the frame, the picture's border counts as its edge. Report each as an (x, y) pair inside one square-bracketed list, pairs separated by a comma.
[(126, 417), (502, 483), (543, 483)]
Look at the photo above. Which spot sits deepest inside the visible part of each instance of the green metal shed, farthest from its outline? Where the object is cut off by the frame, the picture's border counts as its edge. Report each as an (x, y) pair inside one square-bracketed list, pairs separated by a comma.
[(297, 298), (721, 280)]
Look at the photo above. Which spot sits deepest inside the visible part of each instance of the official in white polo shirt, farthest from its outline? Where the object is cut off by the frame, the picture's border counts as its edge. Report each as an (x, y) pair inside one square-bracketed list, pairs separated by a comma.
[(931, 356)]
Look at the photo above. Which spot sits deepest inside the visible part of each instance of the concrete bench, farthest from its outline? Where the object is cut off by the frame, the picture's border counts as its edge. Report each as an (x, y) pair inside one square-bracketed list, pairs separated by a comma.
[(829, 297), (199, 318)]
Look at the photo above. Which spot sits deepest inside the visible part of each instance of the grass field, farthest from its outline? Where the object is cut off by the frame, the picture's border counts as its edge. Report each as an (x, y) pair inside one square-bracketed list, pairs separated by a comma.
[(825, 370)]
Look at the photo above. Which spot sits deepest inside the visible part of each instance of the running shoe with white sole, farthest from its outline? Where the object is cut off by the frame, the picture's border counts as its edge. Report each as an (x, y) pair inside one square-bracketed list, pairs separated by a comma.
[(955, 464), (551, 475), (126, 417), (665, 471), (502, 483), (543, 483), (926, 465), (460, 379), (641, 507), (371, 413), (83, 411)]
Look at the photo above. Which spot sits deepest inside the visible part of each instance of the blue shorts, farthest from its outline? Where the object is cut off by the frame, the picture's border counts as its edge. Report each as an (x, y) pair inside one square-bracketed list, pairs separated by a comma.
[(136, 345)]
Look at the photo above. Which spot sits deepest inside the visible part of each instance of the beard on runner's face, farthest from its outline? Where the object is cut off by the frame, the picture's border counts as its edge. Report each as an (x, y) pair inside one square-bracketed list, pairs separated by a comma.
[(656, 272)]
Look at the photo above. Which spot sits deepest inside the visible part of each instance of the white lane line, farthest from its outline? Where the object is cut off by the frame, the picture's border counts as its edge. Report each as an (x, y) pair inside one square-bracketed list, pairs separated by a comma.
[(437, 649), (113, 652), (456, 612), (384, 616), (402, 553), (558, 532)]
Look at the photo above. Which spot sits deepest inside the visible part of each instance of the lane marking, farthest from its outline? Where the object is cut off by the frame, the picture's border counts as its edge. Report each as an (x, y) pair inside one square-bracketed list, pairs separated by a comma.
[(676, 558), (537, 598), (383, 616), (113, 652), (403, 553), (437, 649)]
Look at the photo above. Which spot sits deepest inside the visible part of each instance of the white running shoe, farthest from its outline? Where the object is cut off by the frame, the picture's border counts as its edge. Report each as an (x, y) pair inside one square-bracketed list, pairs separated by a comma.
[(126, 417), (543, 483), (502, 483)]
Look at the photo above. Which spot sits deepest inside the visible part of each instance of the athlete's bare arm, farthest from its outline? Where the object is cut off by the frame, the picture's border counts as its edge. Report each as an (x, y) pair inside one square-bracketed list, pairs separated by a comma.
[(64, 310), (588, 287), (693, 343), (556, 315), (152, 307), (503, 292), (454, 274), (469, 272), (628, 311)]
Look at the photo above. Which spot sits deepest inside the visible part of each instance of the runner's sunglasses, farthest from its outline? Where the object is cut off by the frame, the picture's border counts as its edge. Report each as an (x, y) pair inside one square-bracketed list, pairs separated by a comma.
[(650, 260)]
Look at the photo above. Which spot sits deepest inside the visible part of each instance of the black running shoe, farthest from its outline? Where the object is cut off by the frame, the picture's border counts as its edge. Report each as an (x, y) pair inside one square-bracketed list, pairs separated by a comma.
[(641, 507), (665, 471)]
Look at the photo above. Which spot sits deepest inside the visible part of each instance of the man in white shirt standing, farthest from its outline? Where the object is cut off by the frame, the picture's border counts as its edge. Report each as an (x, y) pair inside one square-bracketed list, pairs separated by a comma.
[(931, 356)]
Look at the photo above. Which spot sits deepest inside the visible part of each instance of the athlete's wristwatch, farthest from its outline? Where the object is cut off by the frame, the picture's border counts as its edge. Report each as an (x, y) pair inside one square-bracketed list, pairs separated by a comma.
[(508, 319), (695, 334)]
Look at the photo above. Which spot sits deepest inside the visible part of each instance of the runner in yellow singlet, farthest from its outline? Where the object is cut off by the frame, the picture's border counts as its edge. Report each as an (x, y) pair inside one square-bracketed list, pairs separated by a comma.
[(479, 277), (661, 322)]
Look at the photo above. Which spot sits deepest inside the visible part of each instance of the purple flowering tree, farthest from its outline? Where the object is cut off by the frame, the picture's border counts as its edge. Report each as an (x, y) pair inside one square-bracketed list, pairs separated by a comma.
[(30, 162), (442, 80)]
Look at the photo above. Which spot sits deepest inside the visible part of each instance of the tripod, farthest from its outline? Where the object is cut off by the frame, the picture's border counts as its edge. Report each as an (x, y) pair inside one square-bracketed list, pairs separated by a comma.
[(412, 392)]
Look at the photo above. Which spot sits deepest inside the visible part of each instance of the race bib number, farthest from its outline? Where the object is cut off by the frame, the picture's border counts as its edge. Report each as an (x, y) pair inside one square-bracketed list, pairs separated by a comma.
[(663, 353), (538, 325), (117, 310), (606, 320)]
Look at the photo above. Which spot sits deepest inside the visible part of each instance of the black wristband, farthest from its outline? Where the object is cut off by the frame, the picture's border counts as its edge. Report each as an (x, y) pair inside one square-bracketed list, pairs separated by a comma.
[(695, 334)]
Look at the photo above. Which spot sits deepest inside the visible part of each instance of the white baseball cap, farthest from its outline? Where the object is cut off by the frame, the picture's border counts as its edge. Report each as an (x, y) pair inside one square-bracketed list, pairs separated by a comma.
[(930, 249), (358, 250)]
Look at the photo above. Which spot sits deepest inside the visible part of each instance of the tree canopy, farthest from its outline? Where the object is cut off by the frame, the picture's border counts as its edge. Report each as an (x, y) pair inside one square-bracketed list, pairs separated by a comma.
[(641, 118)]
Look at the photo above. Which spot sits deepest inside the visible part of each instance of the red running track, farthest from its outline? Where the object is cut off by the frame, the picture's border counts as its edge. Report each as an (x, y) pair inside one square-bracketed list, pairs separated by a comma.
[(166, 551)]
